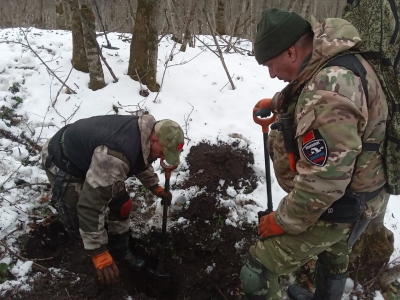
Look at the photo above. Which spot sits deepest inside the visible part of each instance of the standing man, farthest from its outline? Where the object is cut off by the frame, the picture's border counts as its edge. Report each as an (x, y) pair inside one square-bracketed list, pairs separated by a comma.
[(87, 163), (335, 186)]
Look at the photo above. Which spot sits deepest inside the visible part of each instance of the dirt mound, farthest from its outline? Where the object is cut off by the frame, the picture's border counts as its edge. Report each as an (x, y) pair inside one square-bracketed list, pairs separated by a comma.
[(203, 256)]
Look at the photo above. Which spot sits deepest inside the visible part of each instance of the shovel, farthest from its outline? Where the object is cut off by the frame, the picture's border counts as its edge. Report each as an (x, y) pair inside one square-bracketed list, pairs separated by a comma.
[(265, 122), (159, 272)]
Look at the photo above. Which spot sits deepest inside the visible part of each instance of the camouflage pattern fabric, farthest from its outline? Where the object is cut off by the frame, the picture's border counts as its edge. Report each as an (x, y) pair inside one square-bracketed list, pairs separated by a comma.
[(376, 22), (104, 181), (328, 104), (331, 103), (286, 253)]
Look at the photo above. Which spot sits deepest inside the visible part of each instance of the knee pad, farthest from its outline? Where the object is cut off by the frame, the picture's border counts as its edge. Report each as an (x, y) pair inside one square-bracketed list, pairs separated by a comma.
[(121, 207), (254, 279)]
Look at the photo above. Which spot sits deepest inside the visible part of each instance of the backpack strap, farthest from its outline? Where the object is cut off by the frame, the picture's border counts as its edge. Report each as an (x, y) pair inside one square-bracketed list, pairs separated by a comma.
[(351, 62)]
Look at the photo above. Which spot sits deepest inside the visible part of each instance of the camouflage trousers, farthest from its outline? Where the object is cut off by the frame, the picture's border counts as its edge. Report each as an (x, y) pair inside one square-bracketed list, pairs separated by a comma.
[(285, 253), (71, 190)]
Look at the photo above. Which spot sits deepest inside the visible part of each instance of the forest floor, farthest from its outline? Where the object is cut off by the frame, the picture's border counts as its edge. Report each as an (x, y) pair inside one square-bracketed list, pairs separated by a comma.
[(203, 255)]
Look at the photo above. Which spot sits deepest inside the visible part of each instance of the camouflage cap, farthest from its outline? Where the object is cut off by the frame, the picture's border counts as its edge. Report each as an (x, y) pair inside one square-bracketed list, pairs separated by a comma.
[(170, 135)]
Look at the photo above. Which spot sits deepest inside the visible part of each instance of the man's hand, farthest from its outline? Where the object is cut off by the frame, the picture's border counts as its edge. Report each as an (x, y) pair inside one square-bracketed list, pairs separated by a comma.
[(166, 196), (106, 268), (268, 227), (263, 108)]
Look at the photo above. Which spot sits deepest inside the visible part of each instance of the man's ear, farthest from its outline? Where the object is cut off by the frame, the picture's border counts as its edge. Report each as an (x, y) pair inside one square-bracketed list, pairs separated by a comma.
[(153, 138), (292, 53)]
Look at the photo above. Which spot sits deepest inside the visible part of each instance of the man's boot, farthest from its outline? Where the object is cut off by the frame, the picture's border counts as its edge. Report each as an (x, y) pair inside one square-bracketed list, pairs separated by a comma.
[(119, 250), (327, 287)]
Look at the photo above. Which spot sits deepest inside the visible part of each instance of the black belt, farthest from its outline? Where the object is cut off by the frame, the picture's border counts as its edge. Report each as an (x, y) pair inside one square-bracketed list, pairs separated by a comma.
[(349, 208)]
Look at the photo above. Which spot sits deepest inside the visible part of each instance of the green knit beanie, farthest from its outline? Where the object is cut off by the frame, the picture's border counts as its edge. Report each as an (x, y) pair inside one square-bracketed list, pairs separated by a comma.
[(276, 32)]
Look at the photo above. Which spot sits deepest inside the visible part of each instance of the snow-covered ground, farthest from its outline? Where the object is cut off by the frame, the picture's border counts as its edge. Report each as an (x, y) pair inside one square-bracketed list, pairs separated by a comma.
[(195, 93)]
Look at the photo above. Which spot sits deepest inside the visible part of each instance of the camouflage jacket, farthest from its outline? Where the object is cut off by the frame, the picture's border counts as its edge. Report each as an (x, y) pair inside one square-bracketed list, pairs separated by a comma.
[(332, 119)]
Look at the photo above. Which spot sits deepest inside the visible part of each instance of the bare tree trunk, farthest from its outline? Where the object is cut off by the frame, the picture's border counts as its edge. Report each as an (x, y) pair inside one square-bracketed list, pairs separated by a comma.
[(176, 26), (78, 61), (188, 18), (144, 45), (61, 20), (92, 56), (220, 19)]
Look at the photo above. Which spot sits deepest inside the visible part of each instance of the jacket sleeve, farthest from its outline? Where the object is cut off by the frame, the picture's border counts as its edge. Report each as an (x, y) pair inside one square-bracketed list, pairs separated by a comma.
[(148, 178), (104, 177), (329, 129)]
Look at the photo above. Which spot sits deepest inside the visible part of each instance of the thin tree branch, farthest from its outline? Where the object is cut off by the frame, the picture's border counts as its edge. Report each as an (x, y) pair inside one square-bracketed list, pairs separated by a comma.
[(24, 185), (219, 50), (27, 45)]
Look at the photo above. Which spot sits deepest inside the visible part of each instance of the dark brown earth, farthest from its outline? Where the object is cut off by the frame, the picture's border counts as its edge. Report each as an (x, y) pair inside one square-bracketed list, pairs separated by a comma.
[(203, 242)]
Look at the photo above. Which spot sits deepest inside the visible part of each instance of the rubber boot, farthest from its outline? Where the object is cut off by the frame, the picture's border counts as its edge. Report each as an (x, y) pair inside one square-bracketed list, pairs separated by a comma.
[(119, 250), (328, 287)]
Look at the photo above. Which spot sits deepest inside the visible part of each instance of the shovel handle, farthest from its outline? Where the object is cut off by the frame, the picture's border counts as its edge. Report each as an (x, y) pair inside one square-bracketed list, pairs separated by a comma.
[(264, 122)]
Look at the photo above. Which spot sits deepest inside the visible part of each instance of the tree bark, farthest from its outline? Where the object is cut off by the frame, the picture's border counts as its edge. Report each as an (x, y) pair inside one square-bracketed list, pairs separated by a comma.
[(220, 19), (92, 56), (78, 61), (144, 45), (61, 21), (176, 26)]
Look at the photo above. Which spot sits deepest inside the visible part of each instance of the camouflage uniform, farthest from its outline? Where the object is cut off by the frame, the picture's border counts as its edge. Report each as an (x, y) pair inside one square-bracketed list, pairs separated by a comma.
[(93, 197), (330, 101)]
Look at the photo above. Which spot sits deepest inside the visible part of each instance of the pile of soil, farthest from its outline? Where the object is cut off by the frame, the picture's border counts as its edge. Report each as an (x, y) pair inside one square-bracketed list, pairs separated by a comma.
[(203, 256)]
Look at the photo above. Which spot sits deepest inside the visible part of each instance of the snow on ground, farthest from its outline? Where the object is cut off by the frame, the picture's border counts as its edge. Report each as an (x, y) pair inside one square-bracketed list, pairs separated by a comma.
[(195, 93)]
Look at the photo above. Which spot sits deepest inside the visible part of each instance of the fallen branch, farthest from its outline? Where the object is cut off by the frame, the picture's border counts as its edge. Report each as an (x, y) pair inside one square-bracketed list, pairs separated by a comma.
[(34, 265), (24, 185), (24, 140)]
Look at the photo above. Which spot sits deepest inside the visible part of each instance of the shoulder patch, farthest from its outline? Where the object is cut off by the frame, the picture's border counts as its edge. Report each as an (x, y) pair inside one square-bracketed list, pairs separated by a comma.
[(314, 148)]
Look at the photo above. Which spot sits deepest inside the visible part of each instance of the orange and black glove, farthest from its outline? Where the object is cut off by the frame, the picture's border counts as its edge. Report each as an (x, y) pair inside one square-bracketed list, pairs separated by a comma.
[(263, 108), (268, 227), (166, 196), (105, 268)]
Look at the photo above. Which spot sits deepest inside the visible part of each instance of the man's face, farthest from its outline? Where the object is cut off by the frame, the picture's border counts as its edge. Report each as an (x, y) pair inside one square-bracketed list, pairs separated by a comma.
[(156, 148), (282, 67)]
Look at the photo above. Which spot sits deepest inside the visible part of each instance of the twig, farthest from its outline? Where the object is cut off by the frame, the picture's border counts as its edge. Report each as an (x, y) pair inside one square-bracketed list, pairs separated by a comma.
[(187, 120), (13, 204), (27, 45), (34, 265), (24, 141), (168, 59), (230, 44), (220, 292), (207, 46), (226, 83), (24, 185), (219, 50), (59, 91), (139, 79)]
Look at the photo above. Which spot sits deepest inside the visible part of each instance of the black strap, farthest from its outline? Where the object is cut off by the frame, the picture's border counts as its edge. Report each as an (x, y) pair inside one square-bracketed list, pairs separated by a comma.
[(394, 140), (351, 62), (370, 147), (57, 188), (396, 19), (376, 55)]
